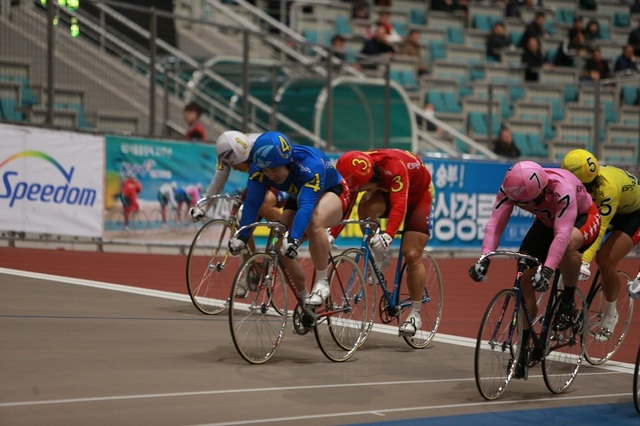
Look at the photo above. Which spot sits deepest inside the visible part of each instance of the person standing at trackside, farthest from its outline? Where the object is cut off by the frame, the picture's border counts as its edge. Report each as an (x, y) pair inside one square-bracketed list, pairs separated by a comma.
[(566, 223), (617, 195), (166, 197), (396, 185), (191, 114), (318, 198), (234, 152)]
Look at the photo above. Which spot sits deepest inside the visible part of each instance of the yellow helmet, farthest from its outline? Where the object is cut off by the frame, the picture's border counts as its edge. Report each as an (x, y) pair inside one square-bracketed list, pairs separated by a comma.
[(581, 163)]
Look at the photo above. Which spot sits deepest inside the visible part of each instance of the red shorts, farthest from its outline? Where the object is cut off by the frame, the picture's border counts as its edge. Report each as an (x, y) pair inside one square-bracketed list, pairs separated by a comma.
[(589, 226), (416, 218)]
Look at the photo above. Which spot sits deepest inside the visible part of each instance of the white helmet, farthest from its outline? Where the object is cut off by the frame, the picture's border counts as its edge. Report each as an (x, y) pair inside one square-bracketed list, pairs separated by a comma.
[(233, 148)]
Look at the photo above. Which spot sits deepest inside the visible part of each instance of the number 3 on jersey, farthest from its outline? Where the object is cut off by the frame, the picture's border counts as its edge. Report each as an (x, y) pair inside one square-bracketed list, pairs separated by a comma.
[(397, 184), (314, 183)]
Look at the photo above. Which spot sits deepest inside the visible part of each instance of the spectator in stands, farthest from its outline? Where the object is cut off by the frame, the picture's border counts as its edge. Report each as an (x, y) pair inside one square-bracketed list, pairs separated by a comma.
[(441, 5), (337, 44), (497, 40), (577, 27), (429, 112), (504, 145), (411, 47), (376, 46), (626, 62), (534, 29), (593, 31), (532, 60), (513, 8), (634, 39), (588, 5), (384, 19), (569, 50), (596, 68), (192, 113), (360, 9)]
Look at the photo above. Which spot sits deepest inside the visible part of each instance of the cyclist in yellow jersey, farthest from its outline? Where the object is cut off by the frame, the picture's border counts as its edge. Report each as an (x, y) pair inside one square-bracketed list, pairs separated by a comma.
[(617, 195)]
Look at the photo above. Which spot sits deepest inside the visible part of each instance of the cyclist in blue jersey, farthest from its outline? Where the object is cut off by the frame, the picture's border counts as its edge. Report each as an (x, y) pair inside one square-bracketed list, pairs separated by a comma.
[(318, 199)]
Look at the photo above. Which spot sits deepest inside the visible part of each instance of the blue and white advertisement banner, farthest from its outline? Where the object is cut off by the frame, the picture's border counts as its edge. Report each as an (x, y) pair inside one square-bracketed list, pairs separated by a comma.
[(465, 193), (51, 181)]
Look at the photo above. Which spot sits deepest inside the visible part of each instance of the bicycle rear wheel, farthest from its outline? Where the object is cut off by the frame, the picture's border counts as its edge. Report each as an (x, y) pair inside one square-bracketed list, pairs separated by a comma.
[(114, 222), (431, 311), (256, 326), (210, 268), (370, 289), (636, 383), (598, 353), (342, 320), (497, 345), (565, 348)]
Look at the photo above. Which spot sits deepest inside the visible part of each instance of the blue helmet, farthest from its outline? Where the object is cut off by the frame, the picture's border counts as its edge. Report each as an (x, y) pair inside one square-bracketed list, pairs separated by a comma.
[(270, 150)]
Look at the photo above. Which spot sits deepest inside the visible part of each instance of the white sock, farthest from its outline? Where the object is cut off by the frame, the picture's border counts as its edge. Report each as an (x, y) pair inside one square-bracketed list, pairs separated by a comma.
[(321, 275), (610, 308), (416, 305)]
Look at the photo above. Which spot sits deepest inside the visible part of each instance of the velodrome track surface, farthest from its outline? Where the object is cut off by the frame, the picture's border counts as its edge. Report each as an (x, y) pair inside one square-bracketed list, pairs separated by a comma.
[(89, 352)]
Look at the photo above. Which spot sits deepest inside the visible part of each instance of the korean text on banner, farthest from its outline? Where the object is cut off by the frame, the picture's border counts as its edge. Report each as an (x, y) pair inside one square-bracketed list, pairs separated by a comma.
[(51, 181)]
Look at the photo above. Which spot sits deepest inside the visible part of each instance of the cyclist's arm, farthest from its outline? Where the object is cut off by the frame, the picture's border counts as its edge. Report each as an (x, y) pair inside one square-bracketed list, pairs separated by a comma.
[(256, 190), (607, 205), (497, 223), (219, 180), (562, 227), (398, 198), (172, 199)]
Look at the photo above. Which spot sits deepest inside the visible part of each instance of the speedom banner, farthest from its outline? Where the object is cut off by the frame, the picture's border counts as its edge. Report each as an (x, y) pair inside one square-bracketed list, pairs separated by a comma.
[(51, 181)]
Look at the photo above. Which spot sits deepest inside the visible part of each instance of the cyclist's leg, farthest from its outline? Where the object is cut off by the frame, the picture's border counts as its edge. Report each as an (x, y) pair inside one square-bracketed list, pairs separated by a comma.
[(375, 205), (294, 268), (270, 209), (617, 246), (582, 236), (414, 240), (328, 212)]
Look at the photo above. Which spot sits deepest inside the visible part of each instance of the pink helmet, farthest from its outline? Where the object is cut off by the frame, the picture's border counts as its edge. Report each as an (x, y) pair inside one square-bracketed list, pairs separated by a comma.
[(524, 181)]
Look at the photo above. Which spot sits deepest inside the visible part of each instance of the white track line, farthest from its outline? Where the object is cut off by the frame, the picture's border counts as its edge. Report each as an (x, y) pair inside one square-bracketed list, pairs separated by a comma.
[(244, 391), (620, 367)]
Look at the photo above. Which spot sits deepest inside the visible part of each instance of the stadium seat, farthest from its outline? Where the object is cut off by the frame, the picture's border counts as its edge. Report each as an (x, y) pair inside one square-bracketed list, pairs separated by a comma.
[(418, 17), (343, 25), (630, 95), (9, 110)]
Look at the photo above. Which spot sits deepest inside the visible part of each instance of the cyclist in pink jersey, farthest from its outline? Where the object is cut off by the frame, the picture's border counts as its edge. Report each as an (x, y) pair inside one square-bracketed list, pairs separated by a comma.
[(566, 223)]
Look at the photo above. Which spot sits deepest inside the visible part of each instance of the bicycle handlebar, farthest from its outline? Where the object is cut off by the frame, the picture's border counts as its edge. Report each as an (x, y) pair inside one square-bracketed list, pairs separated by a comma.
[(207, 200), (271, 225), (365, 222), (513, 254)]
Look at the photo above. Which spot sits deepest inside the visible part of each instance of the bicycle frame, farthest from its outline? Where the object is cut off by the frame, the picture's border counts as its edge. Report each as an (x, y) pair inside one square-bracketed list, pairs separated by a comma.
[(394, 307), (539, 340)]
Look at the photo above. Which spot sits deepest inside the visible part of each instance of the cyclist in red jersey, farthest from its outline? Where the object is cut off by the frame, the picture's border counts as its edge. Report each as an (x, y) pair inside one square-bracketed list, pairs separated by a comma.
[(129, 191), (396, 185)]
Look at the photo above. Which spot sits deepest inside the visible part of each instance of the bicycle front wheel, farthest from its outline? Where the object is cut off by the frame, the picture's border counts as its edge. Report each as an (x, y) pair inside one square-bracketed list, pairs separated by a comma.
[(431, 310), (342, 321), (256, 326), (210, 268), (636, 383), (564, 348), (497, 345), (370, 289), (599, 350)]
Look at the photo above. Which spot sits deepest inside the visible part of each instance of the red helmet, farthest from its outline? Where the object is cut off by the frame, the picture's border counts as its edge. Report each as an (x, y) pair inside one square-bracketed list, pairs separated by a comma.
[(524, 181), (356, 168)]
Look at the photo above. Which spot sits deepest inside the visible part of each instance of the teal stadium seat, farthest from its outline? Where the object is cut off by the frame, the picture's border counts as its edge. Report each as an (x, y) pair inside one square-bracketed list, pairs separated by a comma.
[(621, 20), (437, 50), (9, 110), (343, 25), (629, 95), (455, 35), (479, 124), (418, 17)]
